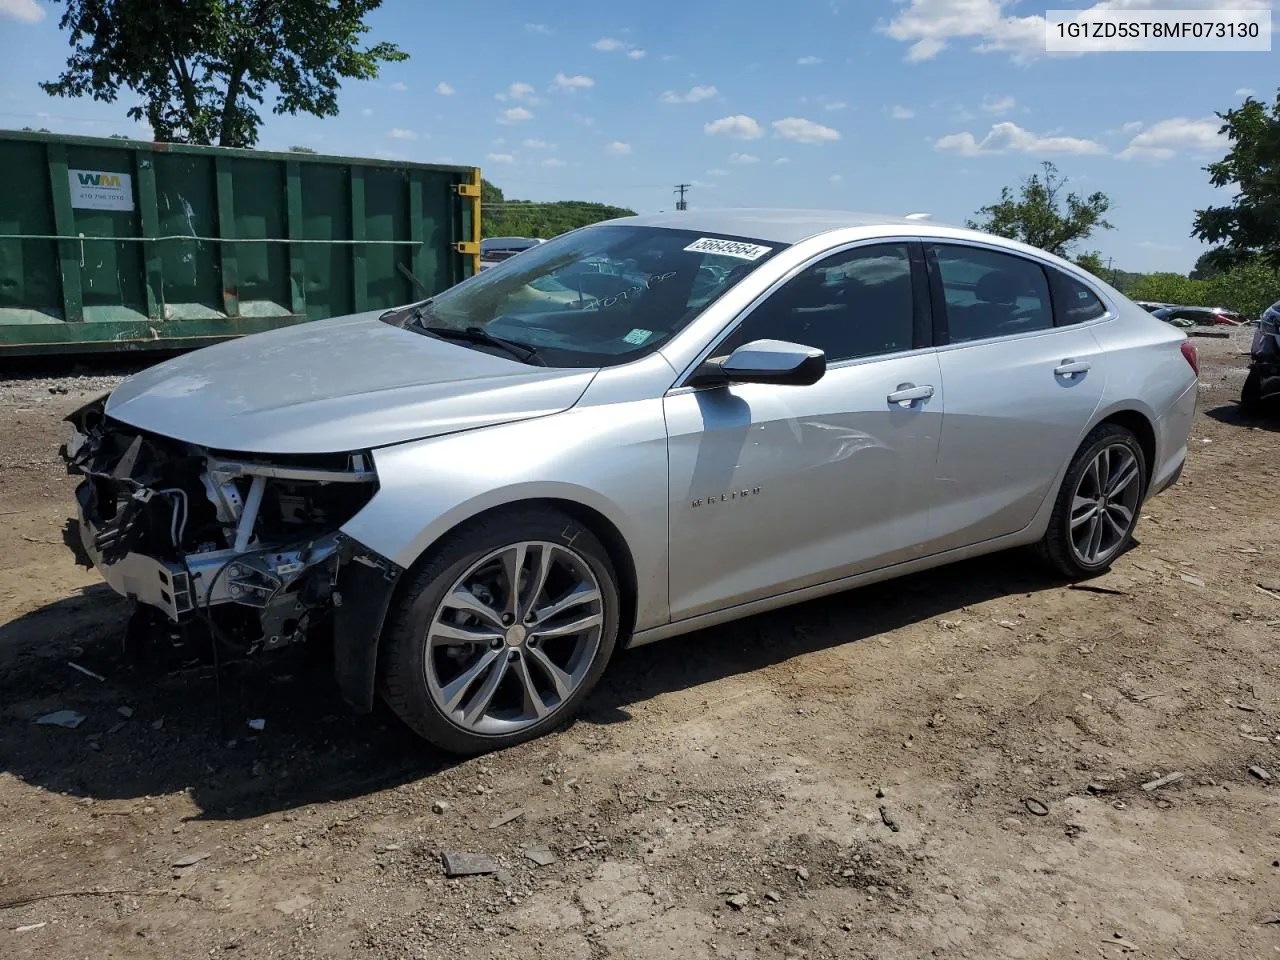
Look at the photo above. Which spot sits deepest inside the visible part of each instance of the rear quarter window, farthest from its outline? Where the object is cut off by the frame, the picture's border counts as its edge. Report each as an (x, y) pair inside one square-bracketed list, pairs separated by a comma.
[(1073, 301)]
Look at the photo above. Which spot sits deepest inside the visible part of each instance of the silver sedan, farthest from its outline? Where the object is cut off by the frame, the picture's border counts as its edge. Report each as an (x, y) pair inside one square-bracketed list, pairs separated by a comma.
[(633, 431)]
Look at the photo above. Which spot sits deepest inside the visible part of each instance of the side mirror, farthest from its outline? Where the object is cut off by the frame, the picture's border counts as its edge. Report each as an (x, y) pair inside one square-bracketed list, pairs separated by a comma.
[(765, 361)]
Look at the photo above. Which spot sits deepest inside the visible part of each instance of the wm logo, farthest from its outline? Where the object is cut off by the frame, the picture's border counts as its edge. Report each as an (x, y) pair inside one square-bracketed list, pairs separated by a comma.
[(99, 179)]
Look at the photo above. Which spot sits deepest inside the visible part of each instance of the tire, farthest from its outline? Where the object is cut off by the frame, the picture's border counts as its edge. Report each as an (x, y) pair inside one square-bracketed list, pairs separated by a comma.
[(1251, 393), (458, 593), (1063, 545)]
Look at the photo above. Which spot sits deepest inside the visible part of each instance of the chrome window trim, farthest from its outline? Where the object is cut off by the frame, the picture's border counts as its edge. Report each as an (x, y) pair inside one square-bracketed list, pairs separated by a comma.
[(1077, 273)]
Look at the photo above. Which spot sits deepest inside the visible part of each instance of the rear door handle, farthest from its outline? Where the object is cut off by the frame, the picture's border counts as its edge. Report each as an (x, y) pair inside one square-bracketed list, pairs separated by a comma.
[(909, 393), (1071, 368)]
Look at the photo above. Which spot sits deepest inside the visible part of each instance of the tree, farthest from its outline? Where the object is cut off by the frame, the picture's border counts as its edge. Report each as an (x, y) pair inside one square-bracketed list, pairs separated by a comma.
[(1250, 226), (1092, 261), (1042, 216), (1208, 264), (526, 218), (201, 67), (299, 148)]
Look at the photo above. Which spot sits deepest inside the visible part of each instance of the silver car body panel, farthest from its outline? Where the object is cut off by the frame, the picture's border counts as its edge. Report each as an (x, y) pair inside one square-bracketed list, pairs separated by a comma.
[(729, 501), (350, 383)]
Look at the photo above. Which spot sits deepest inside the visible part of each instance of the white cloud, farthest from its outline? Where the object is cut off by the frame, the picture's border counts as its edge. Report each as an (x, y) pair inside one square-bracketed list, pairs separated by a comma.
[(901, 113), (998, 105), (539, 145), (500, 158), (576, 82), (444, 89), (743, 158), (781, 160), (399, 133), (693, 96), (399, 86), (836, 178), (539, 28), (519, 90), (366, 112), (515, 115), (618, 148), (1133, 126), (930, 25), (608, 43), (739, 126), (25, 11), (835, 105), (808, 61), (554, 162), (636, 54), (803, 131), (1162, 140), (1009, 136), (1246, 92), (717, 172)]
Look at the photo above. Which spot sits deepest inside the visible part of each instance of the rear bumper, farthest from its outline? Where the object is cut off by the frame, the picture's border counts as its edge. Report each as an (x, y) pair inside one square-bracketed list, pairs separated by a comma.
[(1173, 430)]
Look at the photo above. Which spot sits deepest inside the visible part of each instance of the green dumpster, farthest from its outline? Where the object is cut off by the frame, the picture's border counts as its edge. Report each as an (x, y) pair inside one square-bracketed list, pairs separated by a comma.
[(114, 244)]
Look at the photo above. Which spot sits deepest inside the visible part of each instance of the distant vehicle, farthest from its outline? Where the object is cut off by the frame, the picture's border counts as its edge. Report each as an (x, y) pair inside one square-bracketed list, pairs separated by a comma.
[(1263, 382), (472, 500), (1202, 316), (496, 249)]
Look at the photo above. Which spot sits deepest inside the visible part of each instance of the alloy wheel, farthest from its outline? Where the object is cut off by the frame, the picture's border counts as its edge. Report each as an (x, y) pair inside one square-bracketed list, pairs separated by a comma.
[(514, 637), (1104, 505)]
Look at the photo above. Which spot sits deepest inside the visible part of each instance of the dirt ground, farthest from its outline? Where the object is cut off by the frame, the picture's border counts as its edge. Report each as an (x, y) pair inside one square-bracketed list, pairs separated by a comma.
[(949, 765)]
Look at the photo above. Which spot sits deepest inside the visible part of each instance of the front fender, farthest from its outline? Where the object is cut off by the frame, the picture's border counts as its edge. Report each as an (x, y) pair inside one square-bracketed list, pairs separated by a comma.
[(611, 459)]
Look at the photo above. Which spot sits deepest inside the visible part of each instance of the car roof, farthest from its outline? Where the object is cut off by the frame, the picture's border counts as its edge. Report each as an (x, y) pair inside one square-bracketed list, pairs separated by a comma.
[(778, 226)]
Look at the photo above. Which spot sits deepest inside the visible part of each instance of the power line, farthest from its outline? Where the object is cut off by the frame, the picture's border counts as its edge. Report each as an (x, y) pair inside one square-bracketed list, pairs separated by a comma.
[(680, 189)]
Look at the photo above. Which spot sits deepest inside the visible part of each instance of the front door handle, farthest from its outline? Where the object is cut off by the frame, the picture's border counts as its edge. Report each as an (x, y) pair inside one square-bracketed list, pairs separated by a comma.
[(909, 393), (1071, 368)]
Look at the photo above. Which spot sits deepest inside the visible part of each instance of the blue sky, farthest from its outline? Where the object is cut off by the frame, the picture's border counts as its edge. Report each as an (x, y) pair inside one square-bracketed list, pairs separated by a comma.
[(894, 106)]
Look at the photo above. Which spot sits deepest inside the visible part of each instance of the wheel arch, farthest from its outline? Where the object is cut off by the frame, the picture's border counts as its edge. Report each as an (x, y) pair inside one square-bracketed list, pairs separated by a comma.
[(601, 527), (1142, 427), (360, 677)]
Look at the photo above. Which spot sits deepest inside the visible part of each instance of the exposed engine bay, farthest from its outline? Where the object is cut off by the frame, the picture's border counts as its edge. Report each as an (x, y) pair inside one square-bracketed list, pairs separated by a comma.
[(251, 548)]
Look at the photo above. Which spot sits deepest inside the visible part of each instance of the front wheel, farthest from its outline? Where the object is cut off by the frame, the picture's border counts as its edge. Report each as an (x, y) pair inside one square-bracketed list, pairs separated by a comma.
[(1098, 504), (502, 634)]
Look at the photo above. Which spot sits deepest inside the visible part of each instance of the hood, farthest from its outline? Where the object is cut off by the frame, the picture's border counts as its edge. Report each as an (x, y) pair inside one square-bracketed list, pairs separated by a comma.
[(336, 385)]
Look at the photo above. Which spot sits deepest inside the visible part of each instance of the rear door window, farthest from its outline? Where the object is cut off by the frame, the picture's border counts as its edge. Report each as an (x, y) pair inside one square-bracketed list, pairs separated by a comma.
[(990, 294)]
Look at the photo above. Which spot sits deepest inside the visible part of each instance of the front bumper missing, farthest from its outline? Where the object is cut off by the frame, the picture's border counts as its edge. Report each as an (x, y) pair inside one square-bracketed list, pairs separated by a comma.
[(252, 549)]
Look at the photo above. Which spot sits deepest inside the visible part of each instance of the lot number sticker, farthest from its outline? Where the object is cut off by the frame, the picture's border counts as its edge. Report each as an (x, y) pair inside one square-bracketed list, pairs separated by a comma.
[(728, 248)]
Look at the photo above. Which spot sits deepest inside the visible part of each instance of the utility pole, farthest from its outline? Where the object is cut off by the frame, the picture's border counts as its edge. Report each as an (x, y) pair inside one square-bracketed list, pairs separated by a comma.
[(680, 189)]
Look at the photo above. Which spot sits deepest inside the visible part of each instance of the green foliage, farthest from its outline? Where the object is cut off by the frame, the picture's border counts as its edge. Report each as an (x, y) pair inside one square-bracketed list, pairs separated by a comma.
[(1208, 264), (201, 67), (1042, 217), (299, 148), (500, 217), (1092, 261), (1250, 227), (1248, 288)]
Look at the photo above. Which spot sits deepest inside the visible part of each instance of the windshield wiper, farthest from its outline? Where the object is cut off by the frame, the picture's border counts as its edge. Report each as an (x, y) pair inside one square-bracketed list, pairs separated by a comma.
[(521, 351)]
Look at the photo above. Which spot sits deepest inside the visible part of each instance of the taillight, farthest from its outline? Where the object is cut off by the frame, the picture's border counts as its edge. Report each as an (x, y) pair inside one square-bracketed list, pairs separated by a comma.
[(1191, 355)]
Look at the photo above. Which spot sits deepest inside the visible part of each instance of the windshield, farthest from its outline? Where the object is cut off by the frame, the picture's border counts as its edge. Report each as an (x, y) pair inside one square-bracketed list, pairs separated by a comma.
[(598, 296)]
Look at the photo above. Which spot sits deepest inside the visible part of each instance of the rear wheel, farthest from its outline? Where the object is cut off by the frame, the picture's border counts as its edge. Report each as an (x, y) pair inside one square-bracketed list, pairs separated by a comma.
[(1098, 504), (501, 636)]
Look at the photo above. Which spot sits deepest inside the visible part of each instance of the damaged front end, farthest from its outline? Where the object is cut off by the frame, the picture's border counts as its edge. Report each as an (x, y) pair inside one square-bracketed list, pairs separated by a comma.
[(249, 546)]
